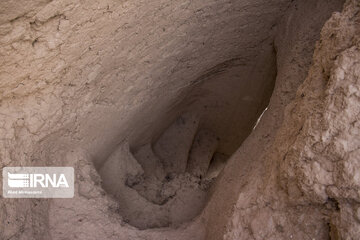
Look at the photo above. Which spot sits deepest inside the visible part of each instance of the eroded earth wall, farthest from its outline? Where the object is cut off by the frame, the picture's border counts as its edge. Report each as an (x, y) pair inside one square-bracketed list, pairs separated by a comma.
[(79, 77), (309, 187)]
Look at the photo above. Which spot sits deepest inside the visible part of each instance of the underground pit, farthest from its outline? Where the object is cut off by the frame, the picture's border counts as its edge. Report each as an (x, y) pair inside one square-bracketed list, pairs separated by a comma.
[(166, 181), (224, 119)]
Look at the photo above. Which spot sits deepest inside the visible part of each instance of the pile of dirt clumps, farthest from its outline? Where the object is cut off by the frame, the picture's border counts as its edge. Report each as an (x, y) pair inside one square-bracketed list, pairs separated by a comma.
[(166, 186)]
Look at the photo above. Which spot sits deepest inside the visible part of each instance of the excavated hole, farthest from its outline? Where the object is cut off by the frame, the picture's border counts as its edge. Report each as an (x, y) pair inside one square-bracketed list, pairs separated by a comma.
[(165, 182)]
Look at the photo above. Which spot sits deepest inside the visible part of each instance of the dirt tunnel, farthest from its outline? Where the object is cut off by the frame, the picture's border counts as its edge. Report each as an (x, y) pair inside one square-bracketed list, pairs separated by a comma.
[(165, 181), (181, 120)]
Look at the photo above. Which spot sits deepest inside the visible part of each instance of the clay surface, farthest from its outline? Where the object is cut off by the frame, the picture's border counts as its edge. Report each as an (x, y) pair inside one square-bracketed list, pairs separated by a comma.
[(219, 119)]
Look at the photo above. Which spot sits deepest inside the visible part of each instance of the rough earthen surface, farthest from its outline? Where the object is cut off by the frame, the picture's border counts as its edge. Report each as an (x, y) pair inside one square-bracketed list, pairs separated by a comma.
[(310, 185), (152, 103)]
